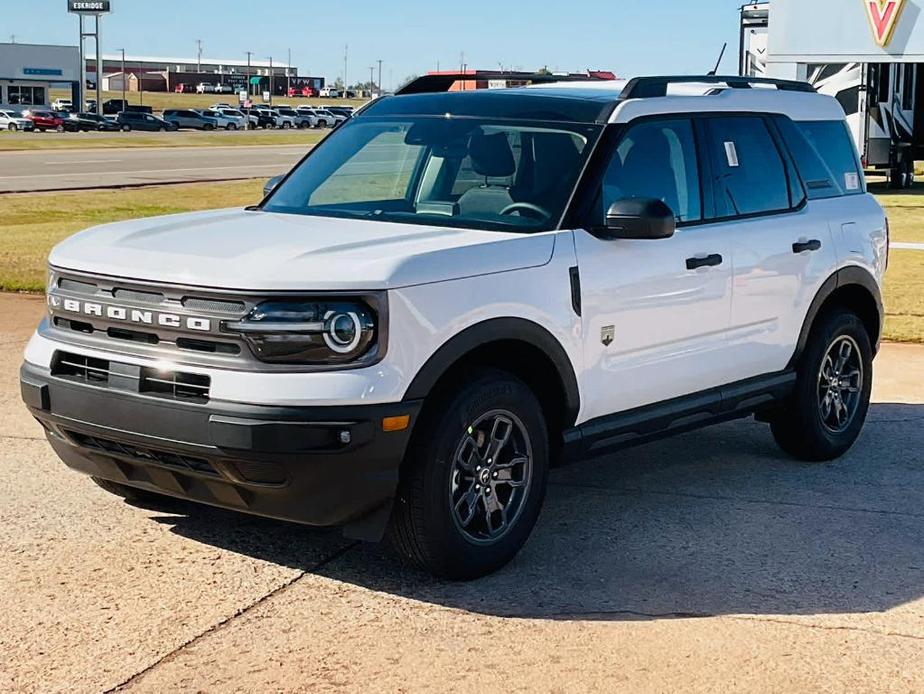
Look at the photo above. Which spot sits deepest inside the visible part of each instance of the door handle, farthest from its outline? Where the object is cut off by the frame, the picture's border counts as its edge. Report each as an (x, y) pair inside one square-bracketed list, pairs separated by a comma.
[(706, 261), (803, 246)]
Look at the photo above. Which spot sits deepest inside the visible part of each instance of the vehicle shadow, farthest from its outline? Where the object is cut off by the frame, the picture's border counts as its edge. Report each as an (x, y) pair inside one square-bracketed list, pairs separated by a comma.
[(712, 522)]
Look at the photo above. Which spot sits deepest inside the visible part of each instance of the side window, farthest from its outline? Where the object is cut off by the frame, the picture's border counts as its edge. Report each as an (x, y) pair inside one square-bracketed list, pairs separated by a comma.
[(750, 176), (832, 141), (819, 180), (656, 160)]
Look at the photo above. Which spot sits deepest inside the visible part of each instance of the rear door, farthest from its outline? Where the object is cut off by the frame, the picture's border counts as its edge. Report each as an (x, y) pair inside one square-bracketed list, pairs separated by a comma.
[(782, 248), (655, 312)]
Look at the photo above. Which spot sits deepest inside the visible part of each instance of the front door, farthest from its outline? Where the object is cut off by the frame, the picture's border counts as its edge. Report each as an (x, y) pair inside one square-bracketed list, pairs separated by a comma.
[(655, 313)]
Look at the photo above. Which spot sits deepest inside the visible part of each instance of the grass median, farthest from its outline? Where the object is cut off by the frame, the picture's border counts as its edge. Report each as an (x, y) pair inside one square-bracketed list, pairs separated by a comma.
[(31, 224), (25, 142)]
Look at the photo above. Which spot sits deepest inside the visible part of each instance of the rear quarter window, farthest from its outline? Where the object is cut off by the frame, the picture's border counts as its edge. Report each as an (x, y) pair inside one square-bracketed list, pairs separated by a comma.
[(831, 142)]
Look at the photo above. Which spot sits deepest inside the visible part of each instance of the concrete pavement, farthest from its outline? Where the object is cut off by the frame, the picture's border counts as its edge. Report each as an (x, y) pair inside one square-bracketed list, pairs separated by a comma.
[(704, 562), (39, 170)]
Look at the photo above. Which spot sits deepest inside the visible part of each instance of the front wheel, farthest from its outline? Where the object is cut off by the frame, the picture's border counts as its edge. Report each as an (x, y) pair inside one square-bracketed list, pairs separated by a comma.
[(828, 407), (474, 478), (126, 128), (13, 127)]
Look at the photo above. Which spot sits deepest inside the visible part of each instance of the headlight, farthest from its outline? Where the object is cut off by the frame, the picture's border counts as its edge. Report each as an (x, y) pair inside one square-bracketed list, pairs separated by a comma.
[(319, 332)]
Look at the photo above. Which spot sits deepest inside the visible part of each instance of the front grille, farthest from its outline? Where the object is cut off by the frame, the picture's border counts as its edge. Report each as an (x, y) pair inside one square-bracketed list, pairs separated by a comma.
[(147, 320), (143, 454), (173, 385)]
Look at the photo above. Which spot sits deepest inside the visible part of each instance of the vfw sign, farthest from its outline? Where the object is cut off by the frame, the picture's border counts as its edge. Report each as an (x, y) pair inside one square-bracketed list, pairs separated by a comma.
[(883, 18)]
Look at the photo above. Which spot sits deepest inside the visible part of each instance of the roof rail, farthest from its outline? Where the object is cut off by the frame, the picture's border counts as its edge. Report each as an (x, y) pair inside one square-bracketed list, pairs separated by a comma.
[(649, 87), (443, 81)]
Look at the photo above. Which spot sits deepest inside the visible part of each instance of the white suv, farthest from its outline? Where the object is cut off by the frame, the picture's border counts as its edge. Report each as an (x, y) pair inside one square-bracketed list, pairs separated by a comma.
[(454, 291)]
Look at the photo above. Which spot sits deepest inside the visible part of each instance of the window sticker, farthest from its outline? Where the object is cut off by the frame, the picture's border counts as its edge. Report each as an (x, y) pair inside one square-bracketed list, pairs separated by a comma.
[(731, 153), (852, 180)]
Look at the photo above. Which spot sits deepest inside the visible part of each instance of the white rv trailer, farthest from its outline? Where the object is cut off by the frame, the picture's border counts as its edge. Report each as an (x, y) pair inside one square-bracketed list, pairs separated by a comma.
[(865, 53)]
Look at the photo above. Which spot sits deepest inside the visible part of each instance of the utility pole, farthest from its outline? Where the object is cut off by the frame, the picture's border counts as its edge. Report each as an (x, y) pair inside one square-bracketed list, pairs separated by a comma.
[(272, 82), (380, 76), (124, 76), (289, 74), (371, 82), (249, 54), (199, 59), (12, 38), (346, 52)]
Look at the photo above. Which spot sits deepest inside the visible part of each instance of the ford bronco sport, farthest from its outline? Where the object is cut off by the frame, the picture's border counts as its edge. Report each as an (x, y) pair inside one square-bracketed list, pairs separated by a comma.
[(454, 291)]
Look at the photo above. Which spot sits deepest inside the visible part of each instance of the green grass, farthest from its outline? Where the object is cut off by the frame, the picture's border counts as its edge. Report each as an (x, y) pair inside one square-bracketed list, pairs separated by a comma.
[(31, 224), (94, 140)]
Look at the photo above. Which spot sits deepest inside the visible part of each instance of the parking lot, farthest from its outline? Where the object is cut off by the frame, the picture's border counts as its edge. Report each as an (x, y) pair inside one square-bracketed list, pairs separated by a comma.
[(708, 561)]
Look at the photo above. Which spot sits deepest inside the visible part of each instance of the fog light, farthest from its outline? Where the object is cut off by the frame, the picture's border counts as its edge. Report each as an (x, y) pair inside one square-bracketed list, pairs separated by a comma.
[(345, 437)]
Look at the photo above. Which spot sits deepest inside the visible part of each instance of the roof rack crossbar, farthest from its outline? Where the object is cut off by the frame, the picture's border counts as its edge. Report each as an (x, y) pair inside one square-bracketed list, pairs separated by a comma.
[(650, 87), (443, 81)]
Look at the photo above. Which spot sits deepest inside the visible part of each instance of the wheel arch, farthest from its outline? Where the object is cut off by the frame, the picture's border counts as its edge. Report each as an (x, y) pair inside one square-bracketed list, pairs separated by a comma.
[(520, 346), (852, 287)]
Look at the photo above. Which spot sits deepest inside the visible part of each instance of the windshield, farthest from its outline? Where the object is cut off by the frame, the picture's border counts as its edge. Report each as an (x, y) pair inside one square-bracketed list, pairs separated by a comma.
[(459, 172)]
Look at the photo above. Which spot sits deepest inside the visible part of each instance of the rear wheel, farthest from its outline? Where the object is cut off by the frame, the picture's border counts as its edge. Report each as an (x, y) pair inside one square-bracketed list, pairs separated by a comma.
[(230, 126), (208, 126), (474, 479), (126, 128), (13, 127), (828, 407)]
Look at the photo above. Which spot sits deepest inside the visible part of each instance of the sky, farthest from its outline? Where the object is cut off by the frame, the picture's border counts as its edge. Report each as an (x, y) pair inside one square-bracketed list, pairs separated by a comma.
[(410, 36)]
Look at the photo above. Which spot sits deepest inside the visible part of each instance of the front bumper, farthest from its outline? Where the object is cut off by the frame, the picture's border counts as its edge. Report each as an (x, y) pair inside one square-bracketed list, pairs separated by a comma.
[(322, 466)]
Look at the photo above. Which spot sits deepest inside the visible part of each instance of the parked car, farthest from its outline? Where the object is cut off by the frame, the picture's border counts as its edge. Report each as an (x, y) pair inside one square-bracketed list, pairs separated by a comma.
[(218, 107), (306, 117), (337, 117), (13, 121), (115, 106), (224, 89), (330, 93), (345, 111), (61, 105), (260, 117), (132, 120), (205, 88), (326, 120), (187, 118), (91, 121), (288, 118), (227, 119), (45, 120)]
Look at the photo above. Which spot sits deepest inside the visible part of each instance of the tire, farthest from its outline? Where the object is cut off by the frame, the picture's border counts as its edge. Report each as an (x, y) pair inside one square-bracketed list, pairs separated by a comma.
[(810, 427), (126, 492), (230, 126), (208, 126), (126, 128), (286, 125), (13, 127), (425, 526), (59, 129)]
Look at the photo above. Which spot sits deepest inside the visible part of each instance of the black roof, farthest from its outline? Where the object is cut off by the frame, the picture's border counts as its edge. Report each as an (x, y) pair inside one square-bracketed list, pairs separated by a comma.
[(567, 105)]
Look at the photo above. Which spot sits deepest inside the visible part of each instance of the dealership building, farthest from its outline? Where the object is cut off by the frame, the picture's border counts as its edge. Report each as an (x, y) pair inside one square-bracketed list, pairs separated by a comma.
[(29, 71)]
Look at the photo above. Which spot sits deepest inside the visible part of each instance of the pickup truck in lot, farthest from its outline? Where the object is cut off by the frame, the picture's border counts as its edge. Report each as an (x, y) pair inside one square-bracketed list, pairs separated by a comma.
[(455, 291)]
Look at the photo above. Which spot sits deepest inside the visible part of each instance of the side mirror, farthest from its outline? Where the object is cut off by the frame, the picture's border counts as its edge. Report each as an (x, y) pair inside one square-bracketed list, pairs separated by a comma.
[(638, 218), (271, 185)]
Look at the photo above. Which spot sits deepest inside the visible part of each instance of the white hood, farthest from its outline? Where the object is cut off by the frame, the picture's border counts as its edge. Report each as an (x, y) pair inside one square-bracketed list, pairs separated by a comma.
[(239, 249)]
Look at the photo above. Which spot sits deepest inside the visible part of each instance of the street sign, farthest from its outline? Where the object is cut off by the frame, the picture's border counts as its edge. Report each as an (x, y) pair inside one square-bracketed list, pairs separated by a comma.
[(89, 6)]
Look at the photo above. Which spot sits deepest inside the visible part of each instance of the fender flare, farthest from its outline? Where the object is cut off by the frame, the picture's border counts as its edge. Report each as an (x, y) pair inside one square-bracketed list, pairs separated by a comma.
[(851, 275), (496, 330)]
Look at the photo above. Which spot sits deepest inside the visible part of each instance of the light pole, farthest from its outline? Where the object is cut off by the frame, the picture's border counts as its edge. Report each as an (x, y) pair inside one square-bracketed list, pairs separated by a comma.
[(249, 54), (272, 82), (199, 59), (289, 74), (380, 76), (371, 83), (124, 76)]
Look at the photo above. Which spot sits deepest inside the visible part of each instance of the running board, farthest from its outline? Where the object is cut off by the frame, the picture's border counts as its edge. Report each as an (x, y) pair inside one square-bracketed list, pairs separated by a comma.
[(652, 422)]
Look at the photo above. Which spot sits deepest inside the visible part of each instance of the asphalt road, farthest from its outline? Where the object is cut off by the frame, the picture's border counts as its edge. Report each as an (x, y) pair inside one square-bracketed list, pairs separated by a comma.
[(38, 170), (708, 562)]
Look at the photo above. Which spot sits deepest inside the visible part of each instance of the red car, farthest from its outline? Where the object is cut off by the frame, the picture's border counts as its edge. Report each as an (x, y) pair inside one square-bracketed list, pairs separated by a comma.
[(45, 120)]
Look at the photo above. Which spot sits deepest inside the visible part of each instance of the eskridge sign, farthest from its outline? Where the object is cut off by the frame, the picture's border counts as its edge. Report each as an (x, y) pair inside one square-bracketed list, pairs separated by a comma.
[(846, 31), (89, 6), (883, 18)]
